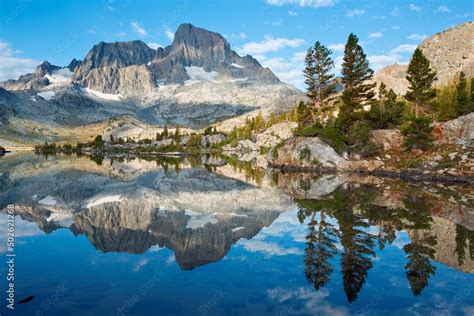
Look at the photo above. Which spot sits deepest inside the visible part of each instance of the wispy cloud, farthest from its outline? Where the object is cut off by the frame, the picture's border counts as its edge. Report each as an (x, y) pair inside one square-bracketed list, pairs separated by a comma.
[(355, 12), (154, 45), (404, 48), (269, 44), (289, 70), (417, 37), (395, 12), (443, 9), (337, 47), (414, 8), (12, 65), (375, 35), (138, 29), (240, 35), (292, 13), (303, 3), (169, 34)]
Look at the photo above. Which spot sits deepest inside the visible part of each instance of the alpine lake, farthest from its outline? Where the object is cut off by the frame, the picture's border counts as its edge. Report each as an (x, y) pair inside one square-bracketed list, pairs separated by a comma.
[(211, 235)]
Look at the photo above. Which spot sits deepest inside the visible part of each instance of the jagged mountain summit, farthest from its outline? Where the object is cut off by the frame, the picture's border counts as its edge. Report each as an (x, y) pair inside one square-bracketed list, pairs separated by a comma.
[(196, 81), (449, 53)]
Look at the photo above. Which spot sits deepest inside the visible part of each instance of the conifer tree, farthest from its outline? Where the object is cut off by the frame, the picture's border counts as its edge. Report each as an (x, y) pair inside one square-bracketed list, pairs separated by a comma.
[(420, 77), (463, 104), (319, 80), (356, 74)]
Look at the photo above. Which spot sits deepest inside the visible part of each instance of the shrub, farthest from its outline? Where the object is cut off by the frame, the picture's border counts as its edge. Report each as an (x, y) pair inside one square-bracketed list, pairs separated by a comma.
[(417, 132)]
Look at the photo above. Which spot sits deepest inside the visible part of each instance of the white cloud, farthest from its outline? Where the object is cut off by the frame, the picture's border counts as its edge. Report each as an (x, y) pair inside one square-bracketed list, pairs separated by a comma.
[(269, 44), (395, 12), (154, 45), (240, 35), (268, 248), (11, 65), (289, 70), (274, 23), (138, 29), (395, 27), (417, 37), (404, 48), (292, 13), (337, 47), (414, 8), (355, 12), (443, 9), (375, 35), (169, 34), (304, 3), (379, 61)]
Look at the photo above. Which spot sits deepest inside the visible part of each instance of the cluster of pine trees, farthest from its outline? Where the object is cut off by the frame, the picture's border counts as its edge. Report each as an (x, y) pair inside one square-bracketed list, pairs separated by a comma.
[(359, 110)]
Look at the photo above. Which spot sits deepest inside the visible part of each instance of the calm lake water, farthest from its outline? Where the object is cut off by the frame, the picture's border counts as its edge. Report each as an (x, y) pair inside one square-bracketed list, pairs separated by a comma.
[(206, 236)]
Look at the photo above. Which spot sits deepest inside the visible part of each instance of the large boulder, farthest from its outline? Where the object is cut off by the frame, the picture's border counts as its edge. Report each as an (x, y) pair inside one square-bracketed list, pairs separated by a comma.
[(388, 139), (305, 152), (208, 140), (459, 131), (275, 134), (311, 152), (243, 146)]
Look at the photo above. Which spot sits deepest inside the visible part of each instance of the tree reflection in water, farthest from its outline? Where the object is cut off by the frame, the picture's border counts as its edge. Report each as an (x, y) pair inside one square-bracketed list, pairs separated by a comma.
[(346, 215)]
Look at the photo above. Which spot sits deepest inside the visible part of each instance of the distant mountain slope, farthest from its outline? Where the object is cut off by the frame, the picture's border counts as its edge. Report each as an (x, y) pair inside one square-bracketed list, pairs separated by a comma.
[(449, 53), (196, 81)]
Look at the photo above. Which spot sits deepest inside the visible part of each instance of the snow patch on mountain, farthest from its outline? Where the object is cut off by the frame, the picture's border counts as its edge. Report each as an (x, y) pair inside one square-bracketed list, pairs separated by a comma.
[(63, 75), (47, 95), (237, 65), (101, 95), (105, 199), (197, 74)]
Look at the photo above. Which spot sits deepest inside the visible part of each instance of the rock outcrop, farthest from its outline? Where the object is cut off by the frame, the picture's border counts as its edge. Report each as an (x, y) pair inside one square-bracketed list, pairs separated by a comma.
[(388, 139), (311, 152), (275, 134), (459, 131)]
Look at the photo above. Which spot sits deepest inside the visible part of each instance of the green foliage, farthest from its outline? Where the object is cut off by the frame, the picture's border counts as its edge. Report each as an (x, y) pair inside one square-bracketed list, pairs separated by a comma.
[(2, 149), (387, 112), (420, 77), (98, 142), (305, 154), (445, 106), (329, 133), (356, 75), (417, 132), (464, 104), (319, 79), (358, 140)]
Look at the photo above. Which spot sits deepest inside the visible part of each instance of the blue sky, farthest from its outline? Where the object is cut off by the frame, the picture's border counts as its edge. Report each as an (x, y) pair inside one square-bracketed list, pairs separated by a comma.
[(276, 32)]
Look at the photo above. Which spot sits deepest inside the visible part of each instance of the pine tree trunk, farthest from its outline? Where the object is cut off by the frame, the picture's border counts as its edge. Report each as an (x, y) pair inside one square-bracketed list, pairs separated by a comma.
[(417, 110)]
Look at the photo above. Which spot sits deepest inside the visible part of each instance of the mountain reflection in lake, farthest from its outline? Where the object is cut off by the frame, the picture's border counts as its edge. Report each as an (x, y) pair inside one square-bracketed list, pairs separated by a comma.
[(213, 236)]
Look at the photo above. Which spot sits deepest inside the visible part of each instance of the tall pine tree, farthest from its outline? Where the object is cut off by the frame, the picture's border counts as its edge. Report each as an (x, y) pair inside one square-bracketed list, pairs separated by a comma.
[(356, 76), (319, 80), (420, 77)]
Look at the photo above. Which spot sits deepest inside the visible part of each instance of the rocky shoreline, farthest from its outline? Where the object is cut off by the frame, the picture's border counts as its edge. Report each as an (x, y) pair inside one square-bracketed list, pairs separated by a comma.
[(406, 175)]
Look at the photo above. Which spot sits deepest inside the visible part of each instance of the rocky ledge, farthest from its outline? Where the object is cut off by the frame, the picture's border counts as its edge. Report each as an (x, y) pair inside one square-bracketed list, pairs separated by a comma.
[(451, 159)]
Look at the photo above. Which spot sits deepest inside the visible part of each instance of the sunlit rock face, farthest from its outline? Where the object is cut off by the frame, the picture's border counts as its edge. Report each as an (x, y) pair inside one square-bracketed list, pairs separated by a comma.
[(196, 213), (453, 248)]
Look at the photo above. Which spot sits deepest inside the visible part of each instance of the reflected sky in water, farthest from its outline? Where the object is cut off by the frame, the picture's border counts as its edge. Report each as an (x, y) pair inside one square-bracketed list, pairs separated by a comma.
[(129, 238)]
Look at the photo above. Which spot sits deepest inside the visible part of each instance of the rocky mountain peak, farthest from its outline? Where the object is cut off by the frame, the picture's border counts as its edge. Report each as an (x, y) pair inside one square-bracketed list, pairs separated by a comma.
[(45, 68), (199, 47)]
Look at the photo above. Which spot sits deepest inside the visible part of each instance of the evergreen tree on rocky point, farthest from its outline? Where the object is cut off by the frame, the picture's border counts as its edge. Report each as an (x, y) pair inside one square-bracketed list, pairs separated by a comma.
[(356, 76), (319, 80), (463, 103), (420, 77)]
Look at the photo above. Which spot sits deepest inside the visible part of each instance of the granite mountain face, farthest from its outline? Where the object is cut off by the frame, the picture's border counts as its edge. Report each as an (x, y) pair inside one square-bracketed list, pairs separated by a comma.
[(196, 81), (449, 53)]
